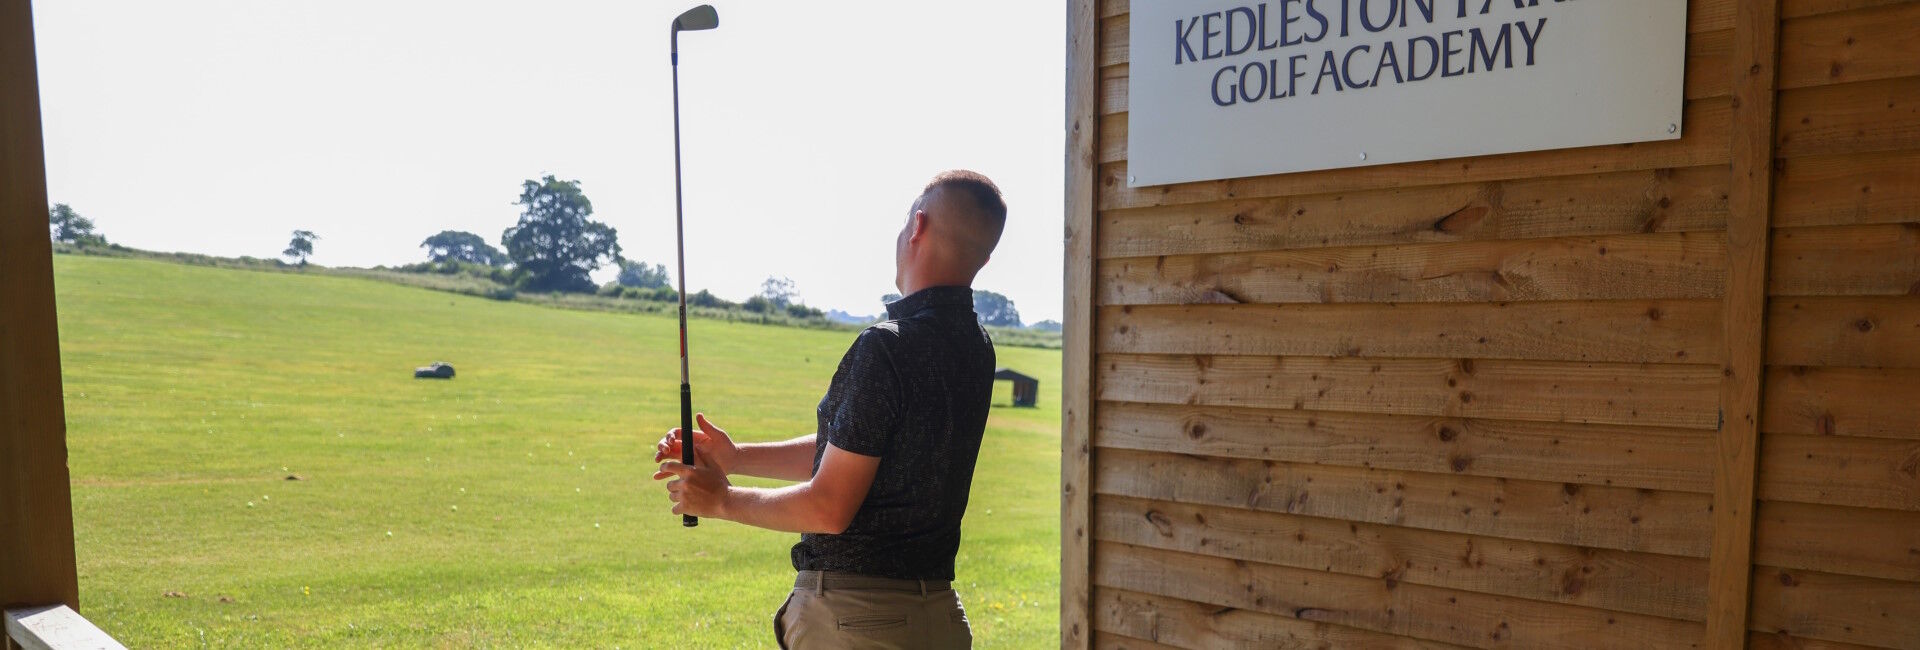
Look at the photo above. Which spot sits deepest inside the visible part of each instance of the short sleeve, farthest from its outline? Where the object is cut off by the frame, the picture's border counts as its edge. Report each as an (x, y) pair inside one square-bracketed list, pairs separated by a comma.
[(870, 401)]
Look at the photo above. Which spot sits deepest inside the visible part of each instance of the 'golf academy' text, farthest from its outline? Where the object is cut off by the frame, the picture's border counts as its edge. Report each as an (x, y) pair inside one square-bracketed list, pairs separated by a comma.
[(1275, 39)]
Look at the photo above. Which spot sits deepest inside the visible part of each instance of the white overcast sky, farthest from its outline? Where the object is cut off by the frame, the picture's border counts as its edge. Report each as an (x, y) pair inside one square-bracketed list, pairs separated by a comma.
[(220, 126)]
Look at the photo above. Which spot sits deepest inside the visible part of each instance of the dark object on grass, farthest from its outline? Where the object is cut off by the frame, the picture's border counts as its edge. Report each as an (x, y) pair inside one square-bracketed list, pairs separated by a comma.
[(1026, 390), (439, 370)]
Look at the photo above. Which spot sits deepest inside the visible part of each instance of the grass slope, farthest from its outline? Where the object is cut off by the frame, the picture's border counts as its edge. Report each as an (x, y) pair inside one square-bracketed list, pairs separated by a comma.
[(510, 507)]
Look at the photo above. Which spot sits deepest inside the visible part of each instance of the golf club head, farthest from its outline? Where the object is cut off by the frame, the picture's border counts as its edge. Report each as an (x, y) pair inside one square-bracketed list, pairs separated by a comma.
[(696, 19)]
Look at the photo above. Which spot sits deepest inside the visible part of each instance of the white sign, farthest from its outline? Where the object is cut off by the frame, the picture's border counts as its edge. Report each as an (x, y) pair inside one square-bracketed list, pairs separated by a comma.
[(1226, 89)]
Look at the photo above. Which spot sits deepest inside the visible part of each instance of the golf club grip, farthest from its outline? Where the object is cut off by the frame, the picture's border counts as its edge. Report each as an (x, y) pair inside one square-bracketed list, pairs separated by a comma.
[(686, 441)]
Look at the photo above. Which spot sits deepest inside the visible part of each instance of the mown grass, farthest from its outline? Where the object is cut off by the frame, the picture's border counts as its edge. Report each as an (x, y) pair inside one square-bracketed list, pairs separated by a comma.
[(510, 507)]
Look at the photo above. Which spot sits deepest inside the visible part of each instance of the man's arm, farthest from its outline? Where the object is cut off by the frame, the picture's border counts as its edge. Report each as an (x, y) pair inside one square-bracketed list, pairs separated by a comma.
[(788, 460), (825, 504)]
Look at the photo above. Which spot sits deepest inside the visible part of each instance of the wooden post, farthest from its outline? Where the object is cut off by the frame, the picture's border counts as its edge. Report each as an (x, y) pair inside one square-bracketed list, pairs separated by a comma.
[(36, 507), (1750, 202), (1076, 407)]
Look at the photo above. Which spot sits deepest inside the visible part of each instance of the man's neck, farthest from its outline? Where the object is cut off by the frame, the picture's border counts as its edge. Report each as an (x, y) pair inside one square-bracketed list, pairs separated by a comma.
[(912, 284)]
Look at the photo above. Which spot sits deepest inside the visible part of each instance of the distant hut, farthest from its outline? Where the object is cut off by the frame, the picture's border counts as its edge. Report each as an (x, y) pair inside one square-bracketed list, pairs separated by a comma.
[(1026, 390)]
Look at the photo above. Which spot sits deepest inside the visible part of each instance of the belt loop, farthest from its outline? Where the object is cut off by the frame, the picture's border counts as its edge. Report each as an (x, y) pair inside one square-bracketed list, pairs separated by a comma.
[(820, 588), (923, 589)]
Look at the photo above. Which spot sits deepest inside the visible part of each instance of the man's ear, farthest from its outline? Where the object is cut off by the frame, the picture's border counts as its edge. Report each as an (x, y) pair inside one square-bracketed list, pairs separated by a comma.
[(919, 225)]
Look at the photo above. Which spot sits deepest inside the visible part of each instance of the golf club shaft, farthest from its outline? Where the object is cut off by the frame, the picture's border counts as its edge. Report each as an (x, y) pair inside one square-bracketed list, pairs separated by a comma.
[(680, 246)]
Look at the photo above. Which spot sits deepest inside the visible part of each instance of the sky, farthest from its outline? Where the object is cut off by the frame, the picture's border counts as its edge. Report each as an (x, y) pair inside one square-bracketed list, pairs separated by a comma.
[(219, 127)]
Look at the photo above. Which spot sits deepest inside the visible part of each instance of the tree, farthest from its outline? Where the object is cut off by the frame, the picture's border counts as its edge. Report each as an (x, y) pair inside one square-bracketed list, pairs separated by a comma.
[(1046, 326), (779, 292), (639, 275), (301, 247), (995, 309), (458, 246), (555, 244), (68, 226)]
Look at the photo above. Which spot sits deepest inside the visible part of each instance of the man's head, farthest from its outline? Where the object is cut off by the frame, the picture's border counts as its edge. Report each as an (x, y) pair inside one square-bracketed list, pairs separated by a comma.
[(950, 232)]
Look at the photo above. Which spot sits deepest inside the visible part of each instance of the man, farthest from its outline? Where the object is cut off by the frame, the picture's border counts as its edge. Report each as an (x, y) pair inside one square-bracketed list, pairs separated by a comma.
[(884, 481)]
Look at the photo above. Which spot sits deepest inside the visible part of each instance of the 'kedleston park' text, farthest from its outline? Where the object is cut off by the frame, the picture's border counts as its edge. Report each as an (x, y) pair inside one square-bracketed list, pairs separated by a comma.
[(1276, 40)]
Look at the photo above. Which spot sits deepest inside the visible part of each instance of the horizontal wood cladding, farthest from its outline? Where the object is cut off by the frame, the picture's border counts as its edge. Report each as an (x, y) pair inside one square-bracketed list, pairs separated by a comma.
[(1662, 395), (1628, 519), (1788, 9), (1834, 539), (1633, 331), (1837, 190), (1779, 641), (1419, 611), (1115, 26), (1661, 266), (1865, 44), (1590, 205), (1849, 609), (1844, 331), (1187, 624), (1638, 457), (1865, 472), (1871, 402), (1872, 260), (1645, 583), (1862, 117)]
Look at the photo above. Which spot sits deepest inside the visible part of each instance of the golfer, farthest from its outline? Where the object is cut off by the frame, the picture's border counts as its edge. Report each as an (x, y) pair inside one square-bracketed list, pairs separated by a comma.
[(884, 481)]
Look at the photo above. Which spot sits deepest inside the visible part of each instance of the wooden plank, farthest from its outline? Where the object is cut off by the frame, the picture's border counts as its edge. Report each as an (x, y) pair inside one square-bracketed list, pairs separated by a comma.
[(1860, 45), (1111, 641), (1868, 332), (1782, 641), (1846, 189), (1111, 8), (1871, 260), (1842, 402), (1836, 539), (36, 506), (1618, 267), (1643, 583), (1624, 331), (1419, 611), (1851, 118), (1661, 395), (55, 627), (1849, 609), (1198, 625), (1637, 457), (1076, 373), (1838, 470), (1668, 200), (1804, 8), (1115, 40), (1114, 86), (1673, 523), (1756, 58)]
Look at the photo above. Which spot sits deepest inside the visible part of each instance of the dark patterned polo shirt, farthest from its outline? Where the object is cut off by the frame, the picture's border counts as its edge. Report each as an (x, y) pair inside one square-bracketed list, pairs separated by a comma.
[(913, 391)]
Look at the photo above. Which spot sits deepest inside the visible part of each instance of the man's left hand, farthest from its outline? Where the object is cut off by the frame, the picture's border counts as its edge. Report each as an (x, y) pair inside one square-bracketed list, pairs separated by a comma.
[(699, 490)]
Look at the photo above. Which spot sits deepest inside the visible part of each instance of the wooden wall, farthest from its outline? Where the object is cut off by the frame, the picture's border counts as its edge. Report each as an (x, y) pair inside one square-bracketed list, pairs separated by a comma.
[(36, 508), (1518, 401)]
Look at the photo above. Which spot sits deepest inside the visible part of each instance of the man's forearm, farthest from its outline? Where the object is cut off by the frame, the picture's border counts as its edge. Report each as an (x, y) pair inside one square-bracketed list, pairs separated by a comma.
[(787, 460), (792, 509)]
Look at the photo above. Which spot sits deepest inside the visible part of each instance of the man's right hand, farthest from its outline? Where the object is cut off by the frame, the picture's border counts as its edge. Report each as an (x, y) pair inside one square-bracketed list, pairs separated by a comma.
[(711, 441)]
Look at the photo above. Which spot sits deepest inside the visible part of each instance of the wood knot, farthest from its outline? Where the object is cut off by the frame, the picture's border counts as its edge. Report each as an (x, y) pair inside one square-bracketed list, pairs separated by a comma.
[(1197, 430), (1460, 463), (1447, 434), (1787, 580), (1161, 523), (1864, 325)]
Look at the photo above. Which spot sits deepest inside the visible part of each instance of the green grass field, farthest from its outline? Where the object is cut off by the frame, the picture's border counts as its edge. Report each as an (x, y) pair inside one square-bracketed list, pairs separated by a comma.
[(510, 507)]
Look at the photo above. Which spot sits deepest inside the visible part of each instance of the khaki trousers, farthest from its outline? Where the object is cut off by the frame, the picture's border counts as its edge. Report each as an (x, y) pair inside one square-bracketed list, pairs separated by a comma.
[(838, 610)]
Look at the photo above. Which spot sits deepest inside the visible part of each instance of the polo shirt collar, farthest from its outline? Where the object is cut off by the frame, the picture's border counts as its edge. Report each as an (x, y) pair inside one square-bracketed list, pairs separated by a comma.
[(930, 298)]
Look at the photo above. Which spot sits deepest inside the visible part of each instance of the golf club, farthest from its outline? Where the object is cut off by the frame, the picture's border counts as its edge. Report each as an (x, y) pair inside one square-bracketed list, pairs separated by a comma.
[(695, 19)]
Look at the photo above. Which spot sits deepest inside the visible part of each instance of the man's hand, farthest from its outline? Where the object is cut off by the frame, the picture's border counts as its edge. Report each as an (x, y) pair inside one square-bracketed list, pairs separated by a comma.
[(700, 489), (710, 443)]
